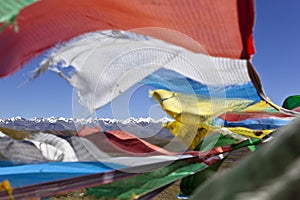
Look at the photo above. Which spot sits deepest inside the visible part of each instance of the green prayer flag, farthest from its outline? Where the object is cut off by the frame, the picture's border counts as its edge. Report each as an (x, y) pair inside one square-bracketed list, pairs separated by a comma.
[(270, 173), (143, 183), (9, 9), (291, 102)]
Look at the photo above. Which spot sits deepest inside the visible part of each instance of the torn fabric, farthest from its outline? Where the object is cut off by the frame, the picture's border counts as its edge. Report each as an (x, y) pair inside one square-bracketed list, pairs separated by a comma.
[(108, 63), (223, 29)]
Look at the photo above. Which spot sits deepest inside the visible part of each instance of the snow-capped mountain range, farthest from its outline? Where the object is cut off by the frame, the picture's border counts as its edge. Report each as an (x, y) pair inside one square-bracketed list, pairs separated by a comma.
[(138, 126)]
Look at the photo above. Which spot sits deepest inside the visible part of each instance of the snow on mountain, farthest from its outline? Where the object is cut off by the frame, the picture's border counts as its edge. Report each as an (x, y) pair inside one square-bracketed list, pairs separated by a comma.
[(141, 127), (164, 120)]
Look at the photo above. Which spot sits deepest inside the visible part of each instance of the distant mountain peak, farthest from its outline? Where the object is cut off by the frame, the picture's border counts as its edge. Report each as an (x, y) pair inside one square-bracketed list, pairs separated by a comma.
[(134, 125)]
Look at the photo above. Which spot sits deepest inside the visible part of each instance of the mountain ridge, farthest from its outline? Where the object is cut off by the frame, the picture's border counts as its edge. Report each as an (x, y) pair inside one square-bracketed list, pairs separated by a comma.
[(141, 127)]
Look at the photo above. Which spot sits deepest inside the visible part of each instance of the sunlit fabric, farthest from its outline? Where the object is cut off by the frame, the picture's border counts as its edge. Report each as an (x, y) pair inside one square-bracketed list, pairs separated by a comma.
[(223, 29), (170, 80), (195, 54), (108, 56), (192, 135), (192, 109)]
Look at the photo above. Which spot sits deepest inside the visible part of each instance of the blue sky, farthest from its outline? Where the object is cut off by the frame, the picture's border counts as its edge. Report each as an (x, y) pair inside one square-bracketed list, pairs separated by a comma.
[(276, 36), (277, 42)]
